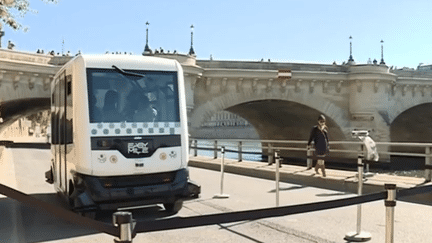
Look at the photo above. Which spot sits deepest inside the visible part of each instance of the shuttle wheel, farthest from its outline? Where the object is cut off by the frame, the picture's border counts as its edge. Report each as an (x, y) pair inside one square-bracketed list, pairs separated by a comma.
[(173, 207)]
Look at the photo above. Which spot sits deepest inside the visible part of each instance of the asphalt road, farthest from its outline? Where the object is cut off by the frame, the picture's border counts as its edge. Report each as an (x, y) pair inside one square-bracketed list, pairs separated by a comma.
[(24, 169)]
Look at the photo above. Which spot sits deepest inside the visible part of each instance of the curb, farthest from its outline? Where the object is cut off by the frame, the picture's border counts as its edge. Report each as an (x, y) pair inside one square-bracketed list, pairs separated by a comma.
[(338, 180)]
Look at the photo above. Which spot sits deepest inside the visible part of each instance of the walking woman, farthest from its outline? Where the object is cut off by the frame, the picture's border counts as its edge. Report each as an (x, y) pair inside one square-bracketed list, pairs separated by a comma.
[(319, 136)]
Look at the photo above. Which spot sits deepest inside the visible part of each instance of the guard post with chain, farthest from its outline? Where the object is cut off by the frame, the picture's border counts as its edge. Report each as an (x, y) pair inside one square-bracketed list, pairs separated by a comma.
[(125, 223)]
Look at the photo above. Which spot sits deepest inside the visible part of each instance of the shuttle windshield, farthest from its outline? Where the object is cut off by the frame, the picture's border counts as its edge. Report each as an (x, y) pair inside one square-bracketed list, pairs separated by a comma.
[(117, 95)]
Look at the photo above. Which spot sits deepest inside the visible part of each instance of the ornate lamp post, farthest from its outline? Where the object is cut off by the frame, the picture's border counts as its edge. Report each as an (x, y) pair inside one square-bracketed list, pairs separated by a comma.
[(382, 53), (351, 59), (147, 50), (191, 50)]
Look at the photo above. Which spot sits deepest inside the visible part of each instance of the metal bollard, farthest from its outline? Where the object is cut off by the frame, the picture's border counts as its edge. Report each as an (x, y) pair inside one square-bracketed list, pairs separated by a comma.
[(359, 235), (196, 148), (270, 154), (309, 159), (277, 177), (359, 191), (428, 161), (240, 155), (215, 150), (367, 173), (125, 224), (222, 195), (390, 204)]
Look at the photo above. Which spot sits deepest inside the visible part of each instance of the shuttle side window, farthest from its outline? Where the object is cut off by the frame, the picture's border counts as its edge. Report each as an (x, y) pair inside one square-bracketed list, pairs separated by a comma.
[(55, 114), (53, 120), (62, 110), (69, 110)]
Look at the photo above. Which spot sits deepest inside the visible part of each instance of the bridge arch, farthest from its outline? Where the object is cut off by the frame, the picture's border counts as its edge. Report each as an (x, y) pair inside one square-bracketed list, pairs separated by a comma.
[(230, 100), (406, 103), (13, 110), (413, 124)]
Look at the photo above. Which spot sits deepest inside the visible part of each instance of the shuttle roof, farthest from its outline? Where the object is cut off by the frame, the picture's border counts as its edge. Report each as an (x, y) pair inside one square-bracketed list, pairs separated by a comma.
[(129, 62)]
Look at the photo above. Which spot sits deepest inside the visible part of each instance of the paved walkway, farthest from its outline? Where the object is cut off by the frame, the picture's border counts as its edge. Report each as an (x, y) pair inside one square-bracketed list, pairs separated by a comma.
[(412, 221)]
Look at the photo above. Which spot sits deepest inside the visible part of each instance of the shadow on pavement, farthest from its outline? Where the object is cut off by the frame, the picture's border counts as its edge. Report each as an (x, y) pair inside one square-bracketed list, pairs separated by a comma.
[(288, 188), (28, 224)]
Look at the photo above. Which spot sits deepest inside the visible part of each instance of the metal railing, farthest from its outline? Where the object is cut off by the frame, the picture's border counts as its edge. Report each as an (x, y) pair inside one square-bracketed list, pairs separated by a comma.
[(358, 234), (349, 148)]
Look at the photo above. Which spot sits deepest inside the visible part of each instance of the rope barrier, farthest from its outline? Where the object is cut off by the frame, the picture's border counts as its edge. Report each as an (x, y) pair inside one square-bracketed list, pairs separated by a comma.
[(194, 221), (413, 191), (30, 145), (12, 144), (203, 220), (58, 211)]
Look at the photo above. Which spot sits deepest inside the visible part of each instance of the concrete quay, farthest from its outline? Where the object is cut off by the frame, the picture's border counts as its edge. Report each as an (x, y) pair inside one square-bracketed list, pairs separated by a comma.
[(339, 180)]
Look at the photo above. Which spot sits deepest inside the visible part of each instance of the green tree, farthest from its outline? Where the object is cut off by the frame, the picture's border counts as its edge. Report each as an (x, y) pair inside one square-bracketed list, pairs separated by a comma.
[(10, 9)]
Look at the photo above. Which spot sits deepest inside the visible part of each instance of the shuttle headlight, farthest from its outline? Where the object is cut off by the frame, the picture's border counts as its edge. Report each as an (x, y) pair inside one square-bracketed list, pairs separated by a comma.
[(163, 156), (113, 159)]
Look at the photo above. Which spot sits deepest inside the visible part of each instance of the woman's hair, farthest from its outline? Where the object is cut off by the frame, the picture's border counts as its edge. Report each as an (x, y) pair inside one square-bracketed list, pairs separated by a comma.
[(322, 118)]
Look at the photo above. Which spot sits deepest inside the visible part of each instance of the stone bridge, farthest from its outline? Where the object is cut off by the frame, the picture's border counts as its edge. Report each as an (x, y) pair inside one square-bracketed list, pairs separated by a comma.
[(394, 105), (25, 80)]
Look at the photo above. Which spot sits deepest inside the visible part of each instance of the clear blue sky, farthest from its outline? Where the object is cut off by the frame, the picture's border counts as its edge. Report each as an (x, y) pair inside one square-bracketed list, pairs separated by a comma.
[(284, 31)]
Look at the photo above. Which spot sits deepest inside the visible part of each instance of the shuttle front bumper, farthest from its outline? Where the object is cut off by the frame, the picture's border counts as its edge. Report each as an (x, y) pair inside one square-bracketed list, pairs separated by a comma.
[(111, 193)]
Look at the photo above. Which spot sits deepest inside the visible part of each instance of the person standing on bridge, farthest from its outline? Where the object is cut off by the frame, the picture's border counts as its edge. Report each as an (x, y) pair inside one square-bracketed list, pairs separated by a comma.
[(320, 138)]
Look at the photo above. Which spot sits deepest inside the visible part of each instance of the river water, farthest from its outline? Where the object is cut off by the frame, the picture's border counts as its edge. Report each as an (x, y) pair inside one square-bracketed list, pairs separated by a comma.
[(251, 150)]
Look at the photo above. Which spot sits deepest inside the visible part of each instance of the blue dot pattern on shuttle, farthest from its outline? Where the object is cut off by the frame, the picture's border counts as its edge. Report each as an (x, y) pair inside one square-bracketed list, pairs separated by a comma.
[(134, 128)]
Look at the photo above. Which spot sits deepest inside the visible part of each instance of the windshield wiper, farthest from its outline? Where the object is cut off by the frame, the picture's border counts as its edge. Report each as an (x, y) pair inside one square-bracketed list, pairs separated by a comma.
[(135, 82), (128, 73)]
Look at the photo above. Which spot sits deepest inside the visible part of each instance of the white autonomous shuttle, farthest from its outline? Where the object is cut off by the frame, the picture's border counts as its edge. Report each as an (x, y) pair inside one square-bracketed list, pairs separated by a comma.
[(119, 133)]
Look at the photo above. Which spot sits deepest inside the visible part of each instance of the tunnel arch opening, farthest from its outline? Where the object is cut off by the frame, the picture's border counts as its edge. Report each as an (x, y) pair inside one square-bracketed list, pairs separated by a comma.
[(13, 110), (411, 126), (226, 125), (285, 120)]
